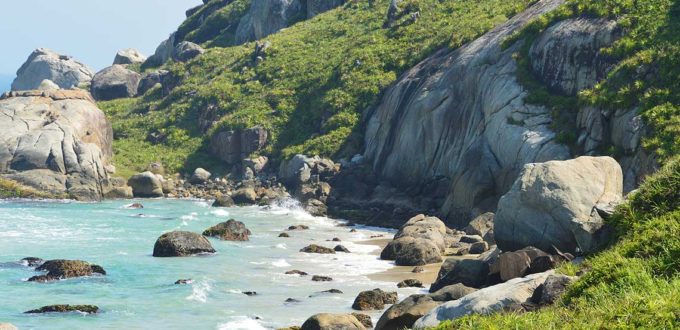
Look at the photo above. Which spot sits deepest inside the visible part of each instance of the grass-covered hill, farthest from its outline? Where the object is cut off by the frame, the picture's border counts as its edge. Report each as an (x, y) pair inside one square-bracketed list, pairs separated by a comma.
[(309, 92)]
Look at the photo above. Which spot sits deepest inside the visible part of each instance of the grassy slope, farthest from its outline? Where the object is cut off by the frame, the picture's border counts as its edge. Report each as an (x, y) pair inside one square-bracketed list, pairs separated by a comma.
[(318, 77), (636, 282)]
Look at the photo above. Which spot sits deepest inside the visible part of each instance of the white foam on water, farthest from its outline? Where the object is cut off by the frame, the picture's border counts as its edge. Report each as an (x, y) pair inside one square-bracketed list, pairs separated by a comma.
[(200, 291), (241, 323), (190, 216), (280, 263), (281, 246), (220, 213)]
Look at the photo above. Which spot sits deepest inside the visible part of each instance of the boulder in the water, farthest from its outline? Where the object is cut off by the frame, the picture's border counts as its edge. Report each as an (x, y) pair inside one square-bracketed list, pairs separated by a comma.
[(181, 244), (230, 230), (85, 309), (63, 269), (313, 248)]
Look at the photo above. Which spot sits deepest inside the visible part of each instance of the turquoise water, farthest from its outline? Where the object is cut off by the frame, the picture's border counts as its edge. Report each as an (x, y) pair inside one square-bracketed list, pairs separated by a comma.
[(139, 290)]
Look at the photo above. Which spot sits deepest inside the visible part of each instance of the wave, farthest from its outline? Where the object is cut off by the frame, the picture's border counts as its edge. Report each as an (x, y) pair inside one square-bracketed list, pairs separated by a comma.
[(200, 291), (280, 263), (242, 323)]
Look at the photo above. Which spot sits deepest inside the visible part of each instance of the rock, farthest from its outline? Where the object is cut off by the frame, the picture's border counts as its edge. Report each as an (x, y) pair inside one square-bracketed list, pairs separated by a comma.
[(150, 80), (333, 291), (156, 168), (453, 109), (200, 176), (7, 326), (410, 283), (542, 264), (551, 290), (554, 203), (223, 201), (340, 248), (319, 278), (332, 322), (119, 193), (316, 7), (146, 184), (313, 248), (63, 269), (403, 314), (186, 51), (516, 264), (469, 272), (266, 17), (316, 208), (185, 281), (181, 244), (485, 301), (32, 261), (284, 235), (451, 292), (482, 226), (478, 248), (46, 64), (134, 206), (296, 272), (567, 56), (129, 56), (115, 82), (48, 86), (375, 299), (364, 319), (245, 196), (58, 143), (231, 230), (298, 170), (250, 293), (85, 309), (418, 269), (298, 227), (236, 145), (291, 300), (162, 54), (408, 251)]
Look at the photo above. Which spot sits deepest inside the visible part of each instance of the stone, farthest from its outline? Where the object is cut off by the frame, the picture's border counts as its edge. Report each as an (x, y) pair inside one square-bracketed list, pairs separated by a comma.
[(408, 251), (319, 278), (313, 248), (129, 56), (451, 292), (250, 293), (200, 176), (162, 54), (284, 235), (375, 299), (184, 281), (245, 196), (115, 82), (181, 244), (316, 208), (341, 248), (332, 322), (223, 201), (32, 261), (517, 264), (230, 230), (57, 142), (186, 51), (296, 272), (316, 7), (234, 146), (48, 85), (403, 314), (482, 226), (551, 290), (469, 272), (478, 247), (298, 227), (364, 319), (266, 17), (410, 283), (150, 80), (418, 269), (43, 64), (485, 301), (85, 309), (146, 184), (542, 264), (291, 300), (553, 203), (134, 206), (64, 269)]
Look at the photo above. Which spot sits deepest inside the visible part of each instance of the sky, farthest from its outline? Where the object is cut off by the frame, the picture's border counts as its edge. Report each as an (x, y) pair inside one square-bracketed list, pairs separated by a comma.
[(91, 31)]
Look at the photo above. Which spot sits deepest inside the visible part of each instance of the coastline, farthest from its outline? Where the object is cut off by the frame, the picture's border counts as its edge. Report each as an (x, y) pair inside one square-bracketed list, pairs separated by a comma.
[(397, 274)]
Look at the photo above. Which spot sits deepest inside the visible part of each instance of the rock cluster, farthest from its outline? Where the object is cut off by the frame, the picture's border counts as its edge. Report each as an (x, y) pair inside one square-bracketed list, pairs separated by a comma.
[(422, 240)]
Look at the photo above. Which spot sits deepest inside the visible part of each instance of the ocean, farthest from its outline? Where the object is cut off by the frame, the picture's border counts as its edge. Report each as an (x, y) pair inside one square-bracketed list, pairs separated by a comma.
[(139, 291), (5, 83)]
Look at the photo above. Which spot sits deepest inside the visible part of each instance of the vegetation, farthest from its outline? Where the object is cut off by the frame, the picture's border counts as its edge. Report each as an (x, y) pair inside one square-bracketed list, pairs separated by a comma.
[(317, 78), (13, 189)]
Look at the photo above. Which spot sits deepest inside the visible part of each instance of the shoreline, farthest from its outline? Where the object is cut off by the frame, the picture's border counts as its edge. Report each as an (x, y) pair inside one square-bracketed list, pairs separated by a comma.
[(397, 274)]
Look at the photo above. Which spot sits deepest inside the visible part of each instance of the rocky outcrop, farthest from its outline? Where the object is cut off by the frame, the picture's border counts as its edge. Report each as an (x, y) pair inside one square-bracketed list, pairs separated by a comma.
[(469, 272), (234, 146), (115, 82), (266, 17), (375, 299), (46, 64), (332, 322), (63, 269), (556, 204), (129, 56), (230, 230), (506, 296), (316, 7), (181, 244), (186, 51), (57, 142), (420, 241)]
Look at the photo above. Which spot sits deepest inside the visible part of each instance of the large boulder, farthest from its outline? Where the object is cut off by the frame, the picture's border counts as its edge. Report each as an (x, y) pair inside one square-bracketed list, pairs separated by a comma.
[(403, 314), (63, 269), (162, 54), (505, 296), (230, 230), (115, 82), (375, 299), (234, 146), (552, 289), (58, 142), (129, 56), (46, 64), (200, 176), (186, 50), (332, 322), (555, 204), (150, 80), (469, 272), (146, 184), (420, 241), (181, 244), (482, 226)]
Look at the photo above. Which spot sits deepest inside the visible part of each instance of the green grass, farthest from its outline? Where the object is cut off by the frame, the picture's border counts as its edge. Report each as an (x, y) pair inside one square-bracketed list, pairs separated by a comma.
[(634, 284), (310, 91)]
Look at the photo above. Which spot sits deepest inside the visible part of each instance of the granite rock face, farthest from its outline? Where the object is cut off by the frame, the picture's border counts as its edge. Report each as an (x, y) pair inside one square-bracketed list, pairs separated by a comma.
[(44, 64), (58, 142)]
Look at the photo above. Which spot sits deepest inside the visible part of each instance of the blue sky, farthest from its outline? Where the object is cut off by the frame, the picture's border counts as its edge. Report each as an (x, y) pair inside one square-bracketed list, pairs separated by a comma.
[(92, 31)]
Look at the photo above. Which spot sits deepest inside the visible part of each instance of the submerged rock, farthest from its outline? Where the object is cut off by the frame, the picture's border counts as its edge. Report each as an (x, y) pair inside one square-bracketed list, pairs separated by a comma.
[(332, 322), (86, 309), (181, 244), (313, 248), (319, 278), (230, 230), (364, 319), (403, 314), (63, 269), (185, 281), (32, 261), (341, 248), (375, 299), (410, 283), (296, 272)]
